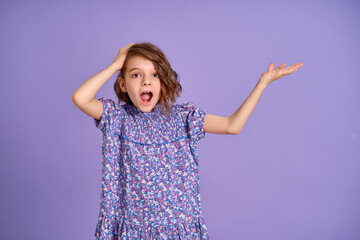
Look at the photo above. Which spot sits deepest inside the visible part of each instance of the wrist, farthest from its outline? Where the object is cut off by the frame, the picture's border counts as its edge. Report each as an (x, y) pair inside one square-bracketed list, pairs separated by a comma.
[(115, 67), (261, 84)]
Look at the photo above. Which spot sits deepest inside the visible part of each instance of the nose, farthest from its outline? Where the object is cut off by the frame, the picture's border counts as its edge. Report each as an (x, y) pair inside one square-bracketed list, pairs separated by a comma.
[(146, 81)]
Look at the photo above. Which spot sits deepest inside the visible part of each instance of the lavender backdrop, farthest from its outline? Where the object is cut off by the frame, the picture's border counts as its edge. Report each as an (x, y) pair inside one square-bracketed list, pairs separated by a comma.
[(292, 172)]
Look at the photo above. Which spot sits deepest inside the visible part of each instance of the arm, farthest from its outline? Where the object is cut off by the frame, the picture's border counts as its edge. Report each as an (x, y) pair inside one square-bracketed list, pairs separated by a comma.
[(238, 119), (234, 123), (84, 96)]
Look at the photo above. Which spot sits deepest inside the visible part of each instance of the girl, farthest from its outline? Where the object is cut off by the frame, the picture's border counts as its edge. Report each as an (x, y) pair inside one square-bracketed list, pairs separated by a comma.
[(150, 174)]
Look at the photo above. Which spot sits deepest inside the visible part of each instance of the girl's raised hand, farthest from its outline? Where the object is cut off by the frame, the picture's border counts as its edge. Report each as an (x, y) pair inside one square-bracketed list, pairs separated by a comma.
[(121, 56), (279, 72)]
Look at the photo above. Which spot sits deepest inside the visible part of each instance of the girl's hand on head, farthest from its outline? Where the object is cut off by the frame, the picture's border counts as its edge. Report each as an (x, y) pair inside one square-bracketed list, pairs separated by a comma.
[(121, 56), (279, 72)]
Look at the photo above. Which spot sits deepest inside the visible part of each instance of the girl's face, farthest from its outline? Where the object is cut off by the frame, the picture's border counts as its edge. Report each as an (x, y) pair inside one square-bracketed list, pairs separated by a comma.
[(141, 77)]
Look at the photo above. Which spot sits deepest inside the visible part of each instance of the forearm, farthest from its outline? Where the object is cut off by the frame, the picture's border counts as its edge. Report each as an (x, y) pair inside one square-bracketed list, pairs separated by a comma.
[(87, 91), (238, 119)]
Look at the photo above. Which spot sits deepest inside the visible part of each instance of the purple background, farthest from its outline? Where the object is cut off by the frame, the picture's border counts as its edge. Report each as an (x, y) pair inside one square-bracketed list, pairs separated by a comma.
[(291, 173)]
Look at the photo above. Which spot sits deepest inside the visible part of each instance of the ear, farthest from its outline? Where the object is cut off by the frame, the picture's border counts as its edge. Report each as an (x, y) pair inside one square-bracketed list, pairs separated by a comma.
[(122, 84)]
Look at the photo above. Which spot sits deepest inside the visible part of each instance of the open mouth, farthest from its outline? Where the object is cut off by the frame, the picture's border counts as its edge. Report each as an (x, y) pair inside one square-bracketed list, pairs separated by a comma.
[(146, 97)]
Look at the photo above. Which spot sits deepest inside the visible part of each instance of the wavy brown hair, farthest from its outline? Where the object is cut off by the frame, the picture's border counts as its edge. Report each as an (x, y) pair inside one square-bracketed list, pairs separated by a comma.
[(169, 79)]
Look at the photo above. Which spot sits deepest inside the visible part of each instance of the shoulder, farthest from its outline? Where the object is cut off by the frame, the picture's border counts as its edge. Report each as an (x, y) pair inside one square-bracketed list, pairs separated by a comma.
[(189, 110), (110, 106), (189, 106), (111, 116), (185, 106), (108, 102), (193, 116)]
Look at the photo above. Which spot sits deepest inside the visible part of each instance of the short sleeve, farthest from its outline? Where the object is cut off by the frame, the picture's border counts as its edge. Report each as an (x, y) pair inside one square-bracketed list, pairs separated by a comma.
[(108, 115), (194, 119)]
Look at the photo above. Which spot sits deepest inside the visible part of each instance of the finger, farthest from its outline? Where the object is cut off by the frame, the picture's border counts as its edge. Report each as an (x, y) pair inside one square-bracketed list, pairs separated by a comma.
[(271, 67), (128, 46), (300, 65), (281, 66), (296, 66), (292, 69)]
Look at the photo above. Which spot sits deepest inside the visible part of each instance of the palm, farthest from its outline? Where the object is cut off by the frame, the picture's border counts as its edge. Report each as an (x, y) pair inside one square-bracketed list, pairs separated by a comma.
[(272, 74)]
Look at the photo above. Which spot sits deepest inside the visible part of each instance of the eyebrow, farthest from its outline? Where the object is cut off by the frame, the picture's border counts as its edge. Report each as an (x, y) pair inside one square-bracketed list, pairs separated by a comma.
[(133, 69)]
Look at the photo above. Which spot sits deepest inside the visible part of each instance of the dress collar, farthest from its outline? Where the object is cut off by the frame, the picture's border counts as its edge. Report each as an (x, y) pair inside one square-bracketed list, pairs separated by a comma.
[(137, 112)]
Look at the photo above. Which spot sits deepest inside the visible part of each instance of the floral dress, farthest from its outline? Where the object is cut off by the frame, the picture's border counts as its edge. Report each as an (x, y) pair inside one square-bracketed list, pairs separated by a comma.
[(150, 173)]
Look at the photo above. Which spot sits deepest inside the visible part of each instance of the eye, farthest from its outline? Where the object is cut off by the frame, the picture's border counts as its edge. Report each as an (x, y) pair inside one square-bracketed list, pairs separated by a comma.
[(156, 75), (135, 75)]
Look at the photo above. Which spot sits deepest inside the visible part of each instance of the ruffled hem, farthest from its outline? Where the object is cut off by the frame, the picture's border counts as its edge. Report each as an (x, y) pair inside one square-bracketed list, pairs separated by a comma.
[(188, 230)]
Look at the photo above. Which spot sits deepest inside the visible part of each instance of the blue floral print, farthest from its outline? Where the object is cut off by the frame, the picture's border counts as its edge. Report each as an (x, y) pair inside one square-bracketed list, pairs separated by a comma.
[(150, 173)]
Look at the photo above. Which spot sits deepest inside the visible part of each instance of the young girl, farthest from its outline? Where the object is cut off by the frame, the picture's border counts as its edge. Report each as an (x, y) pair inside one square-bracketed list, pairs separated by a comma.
[(150, 174)]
